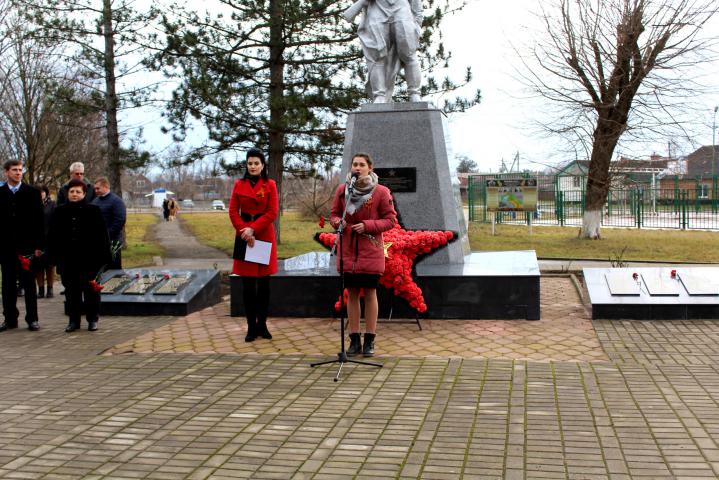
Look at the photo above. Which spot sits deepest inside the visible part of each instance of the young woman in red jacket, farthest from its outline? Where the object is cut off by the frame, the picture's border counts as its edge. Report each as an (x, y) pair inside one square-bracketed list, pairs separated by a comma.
[(253, 209), (370, 211)]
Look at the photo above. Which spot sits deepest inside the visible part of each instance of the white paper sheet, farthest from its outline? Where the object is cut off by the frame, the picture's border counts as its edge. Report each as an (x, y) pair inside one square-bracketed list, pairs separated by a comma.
[(260, 253)]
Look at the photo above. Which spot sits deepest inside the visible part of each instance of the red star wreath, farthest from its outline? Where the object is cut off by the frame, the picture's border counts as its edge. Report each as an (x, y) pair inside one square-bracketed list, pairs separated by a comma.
[(402, 247)]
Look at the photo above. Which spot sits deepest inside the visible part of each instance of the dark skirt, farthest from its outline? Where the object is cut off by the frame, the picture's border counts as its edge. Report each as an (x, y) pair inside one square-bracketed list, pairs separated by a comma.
[(361, 280)]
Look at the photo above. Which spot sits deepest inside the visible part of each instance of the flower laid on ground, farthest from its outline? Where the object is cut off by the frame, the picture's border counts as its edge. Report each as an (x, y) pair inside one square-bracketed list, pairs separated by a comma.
[(403, 247), (166, 276), (96, 286), (322, 221), (24, 262), (635, 275), (673, 274)]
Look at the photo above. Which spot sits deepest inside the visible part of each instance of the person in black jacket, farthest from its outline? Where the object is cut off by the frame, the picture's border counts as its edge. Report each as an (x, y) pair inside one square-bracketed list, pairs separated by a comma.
[(47, 271), (21, 239), (115, 214), (77, 172), (79, 246)]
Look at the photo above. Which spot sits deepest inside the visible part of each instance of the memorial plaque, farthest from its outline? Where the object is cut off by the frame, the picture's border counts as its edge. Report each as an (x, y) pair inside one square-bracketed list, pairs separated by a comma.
[(398, 180), (115, 284), (142, 285), (622, 283), (158, 292), (660, 285), (173, 284), (698, 284)]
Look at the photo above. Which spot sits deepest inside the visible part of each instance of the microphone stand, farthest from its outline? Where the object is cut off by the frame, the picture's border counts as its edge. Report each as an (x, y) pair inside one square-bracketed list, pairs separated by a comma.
[(342, 354)]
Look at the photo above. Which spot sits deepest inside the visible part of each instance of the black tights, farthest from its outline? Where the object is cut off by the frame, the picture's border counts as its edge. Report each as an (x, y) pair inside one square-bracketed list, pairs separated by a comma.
[(256, 295)]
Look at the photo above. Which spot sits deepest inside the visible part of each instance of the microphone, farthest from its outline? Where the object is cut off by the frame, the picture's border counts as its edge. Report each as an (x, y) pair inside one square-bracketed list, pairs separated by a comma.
[(355, 176)]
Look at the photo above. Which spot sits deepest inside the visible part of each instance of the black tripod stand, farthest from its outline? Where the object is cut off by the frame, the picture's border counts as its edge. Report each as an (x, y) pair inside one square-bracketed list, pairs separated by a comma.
[(342, 354)]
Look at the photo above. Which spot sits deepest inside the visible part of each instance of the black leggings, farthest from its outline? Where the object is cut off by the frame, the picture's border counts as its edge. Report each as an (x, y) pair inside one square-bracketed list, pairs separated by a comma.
[(256, 295)]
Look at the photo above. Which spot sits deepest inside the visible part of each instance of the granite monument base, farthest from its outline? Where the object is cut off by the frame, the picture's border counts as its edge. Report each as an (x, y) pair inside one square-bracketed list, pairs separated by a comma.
[(410, 146), (158, 292), (488, 285), (653, 293)]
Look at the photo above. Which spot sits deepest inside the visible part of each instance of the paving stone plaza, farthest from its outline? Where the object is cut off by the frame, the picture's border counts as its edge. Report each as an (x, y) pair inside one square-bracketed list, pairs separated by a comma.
[(186, 397)]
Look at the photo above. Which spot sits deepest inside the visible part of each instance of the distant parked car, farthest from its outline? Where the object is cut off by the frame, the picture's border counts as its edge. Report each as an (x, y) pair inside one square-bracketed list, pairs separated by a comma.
[(187, 203), (218, 205)]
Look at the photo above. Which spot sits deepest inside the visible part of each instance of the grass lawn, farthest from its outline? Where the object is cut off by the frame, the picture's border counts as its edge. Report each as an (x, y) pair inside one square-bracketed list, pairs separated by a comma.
[(140, 245), (214, 229), (562, 242)]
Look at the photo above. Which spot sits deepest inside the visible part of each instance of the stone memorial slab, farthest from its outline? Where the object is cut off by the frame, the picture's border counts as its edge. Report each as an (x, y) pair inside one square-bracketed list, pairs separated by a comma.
[(622, 283), (658, 285), (158, 292), (699, 285), (661, 297), (487, 285)]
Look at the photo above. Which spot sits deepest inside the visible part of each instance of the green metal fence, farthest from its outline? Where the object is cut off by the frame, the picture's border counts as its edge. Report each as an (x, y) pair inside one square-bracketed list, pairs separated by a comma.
[(638, 206)]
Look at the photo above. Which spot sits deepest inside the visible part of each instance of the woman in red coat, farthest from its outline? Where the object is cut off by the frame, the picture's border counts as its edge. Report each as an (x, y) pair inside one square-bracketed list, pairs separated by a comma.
[(370, 211), (253, 210)]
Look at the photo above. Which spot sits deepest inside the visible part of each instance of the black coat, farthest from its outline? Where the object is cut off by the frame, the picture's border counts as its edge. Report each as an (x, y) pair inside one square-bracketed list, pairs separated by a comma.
[(21, 217), (78, 241)]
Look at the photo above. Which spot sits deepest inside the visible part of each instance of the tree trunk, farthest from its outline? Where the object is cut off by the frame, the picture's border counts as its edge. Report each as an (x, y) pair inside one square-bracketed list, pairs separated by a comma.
[(276, 131), (113, 137), (606, 136)]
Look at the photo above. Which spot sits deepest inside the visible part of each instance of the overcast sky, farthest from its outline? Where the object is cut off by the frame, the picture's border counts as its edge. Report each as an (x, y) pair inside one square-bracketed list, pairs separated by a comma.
[(500, 127)]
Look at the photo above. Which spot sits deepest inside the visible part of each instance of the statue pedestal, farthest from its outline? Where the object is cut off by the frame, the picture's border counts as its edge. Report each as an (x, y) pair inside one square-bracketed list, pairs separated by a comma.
[(412, 138)]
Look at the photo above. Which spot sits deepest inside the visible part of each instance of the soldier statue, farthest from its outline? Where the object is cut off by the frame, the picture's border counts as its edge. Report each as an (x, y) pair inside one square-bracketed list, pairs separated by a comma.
[(389, 34)]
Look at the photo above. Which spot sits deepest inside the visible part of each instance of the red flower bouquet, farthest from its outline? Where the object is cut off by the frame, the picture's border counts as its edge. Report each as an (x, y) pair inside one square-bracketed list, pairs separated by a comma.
[(96, 286), (402, 247)]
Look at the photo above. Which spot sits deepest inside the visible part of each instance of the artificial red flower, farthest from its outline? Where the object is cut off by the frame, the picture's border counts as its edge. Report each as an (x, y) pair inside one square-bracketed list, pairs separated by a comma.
[(404, 249), (322, 221), (674, 274), (24, 263), (96, 286), (166, 276), (635, 275)]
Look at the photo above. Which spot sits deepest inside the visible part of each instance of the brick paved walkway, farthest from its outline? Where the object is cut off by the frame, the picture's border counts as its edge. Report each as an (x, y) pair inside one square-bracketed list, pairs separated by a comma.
[(648, 408)]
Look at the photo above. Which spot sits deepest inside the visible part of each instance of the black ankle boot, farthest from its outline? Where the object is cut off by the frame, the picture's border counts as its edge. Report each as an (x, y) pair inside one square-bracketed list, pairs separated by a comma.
[(49, 293), (251, 330), (355, 346), (40, 292), (262, 329), (368, 349)]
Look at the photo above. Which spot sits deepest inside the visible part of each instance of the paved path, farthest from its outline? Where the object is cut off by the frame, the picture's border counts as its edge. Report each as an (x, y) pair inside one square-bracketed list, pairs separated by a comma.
[(89, 405), (182, 250), (564, 397)]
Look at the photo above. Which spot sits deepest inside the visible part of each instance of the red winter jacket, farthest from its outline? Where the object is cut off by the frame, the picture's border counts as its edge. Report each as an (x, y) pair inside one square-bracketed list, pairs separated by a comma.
[(248, 201), (364, 252)]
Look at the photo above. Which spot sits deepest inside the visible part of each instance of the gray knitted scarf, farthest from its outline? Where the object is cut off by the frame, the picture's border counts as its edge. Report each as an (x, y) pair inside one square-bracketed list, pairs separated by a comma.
[(361, 192)]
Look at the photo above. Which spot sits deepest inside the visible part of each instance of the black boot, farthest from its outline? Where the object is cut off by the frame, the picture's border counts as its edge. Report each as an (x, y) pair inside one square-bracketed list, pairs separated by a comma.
[(355, 346), (262, 329), (40, 292), (49, 293), (368, 349), (251, 330)]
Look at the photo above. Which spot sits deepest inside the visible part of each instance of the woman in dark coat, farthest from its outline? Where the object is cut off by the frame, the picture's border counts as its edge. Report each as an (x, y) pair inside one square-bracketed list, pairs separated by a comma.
[(47, 271), (253, 209), (78, 244)]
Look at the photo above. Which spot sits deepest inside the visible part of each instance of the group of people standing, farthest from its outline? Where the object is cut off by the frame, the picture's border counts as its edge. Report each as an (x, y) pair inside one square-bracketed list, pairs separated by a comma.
[(74, 235), (362, 209)]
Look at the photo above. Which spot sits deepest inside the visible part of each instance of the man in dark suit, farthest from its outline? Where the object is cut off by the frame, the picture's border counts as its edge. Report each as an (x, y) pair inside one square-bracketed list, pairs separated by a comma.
[(115, 214), (21, 217)]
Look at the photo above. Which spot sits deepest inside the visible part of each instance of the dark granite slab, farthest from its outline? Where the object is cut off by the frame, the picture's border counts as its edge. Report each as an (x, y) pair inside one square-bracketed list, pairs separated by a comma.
[(201, 290), (661, 297), (489, 285)]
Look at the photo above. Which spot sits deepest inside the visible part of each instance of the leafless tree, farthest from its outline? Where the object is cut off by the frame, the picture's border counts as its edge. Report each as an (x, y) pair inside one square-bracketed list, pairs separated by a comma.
[(616, 66), (35, 127)]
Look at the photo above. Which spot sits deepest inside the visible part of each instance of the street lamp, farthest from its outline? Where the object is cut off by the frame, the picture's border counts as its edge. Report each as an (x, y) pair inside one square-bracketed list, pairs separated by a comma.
[(714, 153)]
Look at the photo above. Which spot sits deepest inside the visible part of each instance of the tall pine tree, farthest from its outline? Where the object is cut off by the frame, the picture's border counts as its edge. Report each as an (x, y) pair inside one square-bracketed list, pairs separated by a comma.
[(276, 74)]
